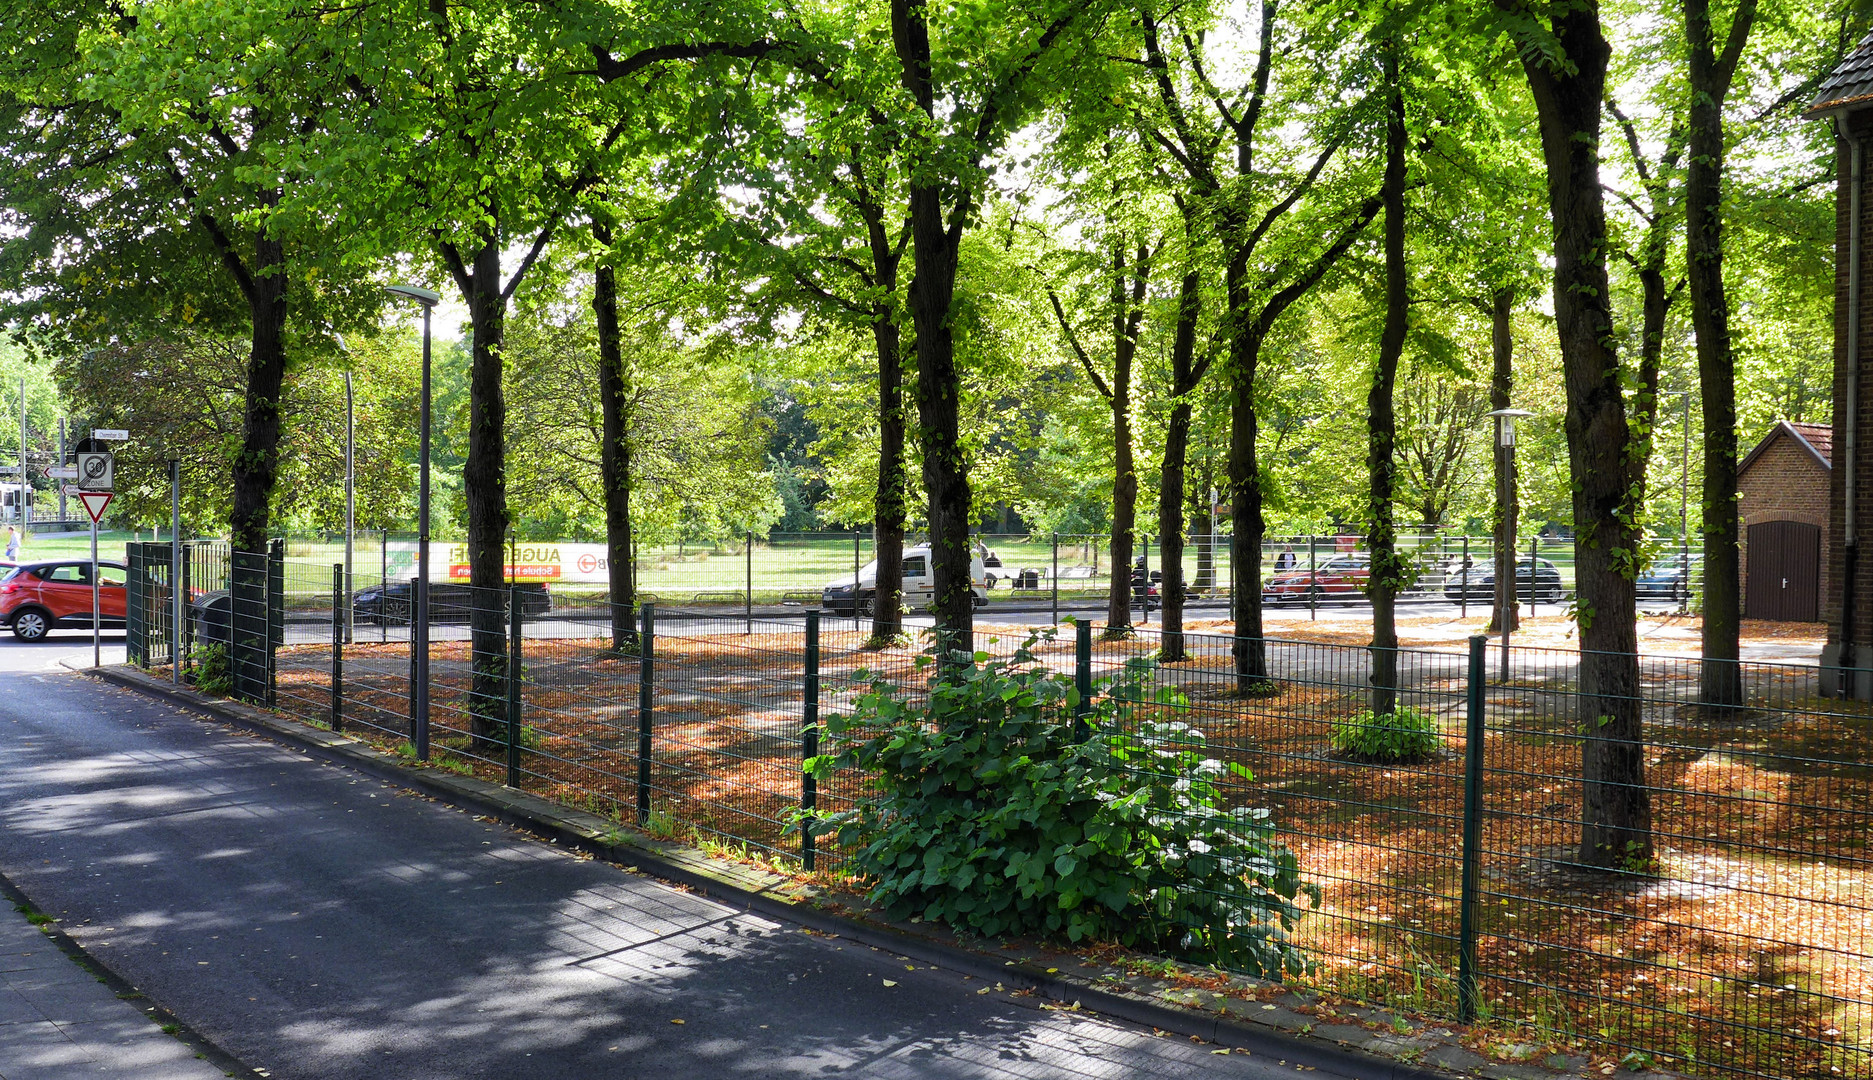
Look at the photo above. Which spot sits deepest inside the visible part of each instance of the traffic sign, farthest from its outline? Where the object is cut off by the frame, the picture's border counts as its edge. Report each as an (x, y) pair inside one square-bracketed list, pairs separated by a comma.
[(70, 491), (95, 502), (62, 472), (95, 472), (110, 434)]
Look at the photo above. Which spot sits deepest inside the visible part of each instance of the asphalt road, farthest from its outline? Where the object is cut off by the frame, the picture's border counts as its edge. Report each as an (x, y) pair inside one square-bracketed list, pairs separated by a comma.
[(318, 923)]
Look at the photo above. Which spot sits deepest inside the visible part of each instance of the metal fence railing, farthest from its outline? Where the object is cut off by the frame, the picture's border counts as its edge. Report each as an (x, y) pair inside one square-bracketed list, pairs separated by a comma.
[(1450, 882)]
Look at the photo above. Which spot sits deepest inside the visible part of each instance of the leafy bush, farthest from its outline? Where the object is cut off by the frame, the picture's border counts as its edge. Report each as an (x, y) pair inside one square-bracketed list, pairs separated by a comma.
[(212, 673), (990, 808), (1406, 735)]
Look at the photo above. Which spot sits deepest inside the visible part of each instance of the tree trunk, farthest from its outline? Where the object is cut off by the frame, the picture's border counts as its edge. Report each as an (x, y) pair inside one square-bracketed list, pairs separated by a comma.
[(1508, 499), (888, 511), (1616, 810), (932, 290), (1171, 488), (1250, 652), (1171, 533), (484, 486), (1722, 677), (1382, 417), (257, 466), (1125, 318), (614, 392)]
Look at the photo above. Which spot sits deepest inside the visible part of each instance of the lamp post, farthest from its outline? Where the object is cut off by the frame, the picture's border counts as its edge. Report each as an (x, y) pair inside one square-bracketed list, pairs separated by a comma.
[(1505, 538), (419, 626)]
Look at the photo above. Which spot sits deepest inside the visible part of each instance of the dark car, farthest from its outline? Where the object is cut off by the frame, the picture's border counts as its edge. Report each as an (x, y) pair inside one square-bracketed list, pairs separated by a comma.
[(1536, 579), (1667, 579), (448, 602)]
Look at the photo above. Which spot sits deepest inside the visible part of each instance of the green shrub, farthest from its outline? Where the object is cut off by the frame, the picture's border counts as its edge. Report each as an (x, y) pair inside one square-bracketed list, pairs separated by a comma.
[(212, 673), (1405, 735), (988, 807)]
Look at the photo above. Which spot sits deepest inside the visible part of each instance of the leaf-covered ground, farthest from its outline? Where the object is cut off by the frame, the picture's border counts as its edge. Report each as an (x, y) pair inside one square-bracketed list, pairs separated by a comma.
[(1747, 949)]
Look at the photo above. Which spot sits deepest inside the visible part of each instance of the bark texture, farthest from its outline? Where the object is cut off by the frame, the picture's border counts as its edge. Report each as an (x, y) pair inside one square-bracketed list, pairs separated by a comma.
[(1616, 810), (484, 483), (936, 233), (614, 389), (257, 466), (1382, 416), (1711, 75)]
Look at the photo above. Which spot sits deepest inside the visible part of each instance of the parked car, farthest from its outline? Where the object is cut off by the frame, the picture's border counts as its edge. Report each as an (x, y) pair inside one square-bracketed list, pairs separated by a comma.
[(448, 602), (1667, 579), (849, 596), (1343, 577), (36, 598), (1540, 581)]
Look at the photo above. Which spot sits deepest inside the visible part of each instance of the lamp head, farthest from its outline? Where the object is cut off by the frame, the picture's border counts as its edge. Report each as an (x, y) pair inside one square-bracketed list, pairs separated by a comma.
[(1505, 424), (425, 297)]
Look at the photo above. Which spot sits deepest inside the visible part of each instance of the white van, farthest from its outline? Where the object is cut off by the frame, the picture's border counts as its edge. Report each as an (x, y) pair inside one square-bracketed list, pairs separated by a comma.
[(845, 596)]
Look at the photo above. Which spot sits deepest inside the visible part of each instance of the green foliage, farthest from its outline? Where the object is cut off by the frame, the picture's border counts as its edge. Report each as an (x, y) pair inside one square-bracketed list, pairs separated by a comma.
[(212, 674), (990, 809), (1405, 735)]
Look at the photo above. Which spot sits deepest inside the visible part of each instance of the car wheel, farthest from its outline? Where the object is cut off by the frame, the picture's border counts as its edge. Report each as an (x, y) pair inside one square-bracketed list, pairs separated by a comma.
[(1555, 593), (980, 601), (31, 624), (866, 606)]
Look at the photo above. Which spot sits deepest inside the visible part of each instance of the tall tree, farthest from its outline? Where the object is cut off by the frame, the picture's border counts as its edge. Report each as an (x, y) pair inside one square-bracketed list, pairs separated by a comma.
[(1126, 286), (1386, 573), (128, 176), (1564, 58), (1281, 230), (1712, 72), (961, 111)]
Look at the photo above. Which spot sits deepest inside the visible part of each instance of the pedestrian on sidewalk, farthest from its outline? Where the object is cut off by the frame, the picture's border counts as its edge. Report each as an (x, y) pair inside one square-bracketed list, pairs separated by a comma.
[(13, 544)]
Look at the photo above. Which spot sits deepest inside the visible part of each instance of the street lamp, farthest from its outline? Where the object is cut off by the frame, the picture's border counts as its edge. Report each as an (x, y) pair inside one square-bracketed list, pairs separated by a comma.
[(419, 627), (1505, 539)]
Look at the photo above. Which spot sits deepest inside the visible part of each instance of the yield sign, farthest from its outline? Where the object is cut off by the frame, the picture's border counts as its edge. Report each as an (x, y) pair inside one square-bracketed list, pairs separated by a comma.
[(95, 502)]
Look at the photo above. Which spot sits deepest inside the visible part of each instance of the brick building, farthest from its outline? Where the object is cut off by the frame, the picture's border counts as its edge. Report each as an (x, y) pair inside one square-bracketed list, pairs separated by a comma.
[(1845, 101), (1782, 491)]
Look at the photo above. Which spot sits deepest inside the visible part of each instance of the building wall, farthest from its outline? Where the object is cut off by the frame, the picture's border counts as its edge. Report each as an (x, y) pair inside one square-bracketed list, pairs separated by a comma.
[(1860, 584), (1785, 484)]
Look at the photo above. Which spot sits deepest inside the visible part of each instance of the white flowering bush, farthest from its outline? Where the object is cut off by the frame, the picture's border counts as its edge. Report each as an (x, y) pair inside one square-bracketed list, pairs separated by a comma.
[(990, 809)]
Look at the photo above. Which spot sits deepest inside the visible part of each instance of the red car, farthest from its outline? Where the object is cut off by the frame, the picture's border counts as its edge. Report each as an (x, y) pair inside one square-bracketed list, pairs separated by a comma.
[(37, 598), (1342, 577)]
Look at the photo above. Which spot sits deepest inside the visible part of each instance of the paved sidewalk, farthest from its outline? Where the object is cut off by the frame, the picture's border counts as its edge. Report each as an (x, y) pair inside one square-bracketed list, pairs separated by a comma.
[(58, 1020)]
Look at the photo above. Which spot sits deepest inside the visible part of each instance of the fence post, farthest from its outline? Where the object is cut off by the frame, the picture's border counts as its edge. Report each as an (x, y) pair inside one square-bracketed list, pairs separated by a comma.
[(383, 587), (1534, 545), (1313, 577), (646, 640), (1472, 835), (1082, 676), (855, 568), (748, 606), (513, 686), (809, 741), (1145, 600), (1056, 579), (1463, 605), (338, 647)]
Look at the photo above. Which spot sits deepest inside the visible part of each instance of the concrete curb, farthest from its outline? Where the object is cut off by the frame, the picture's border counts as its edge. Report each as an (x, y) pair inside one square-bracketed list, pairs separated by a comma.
[(1227, 1021)]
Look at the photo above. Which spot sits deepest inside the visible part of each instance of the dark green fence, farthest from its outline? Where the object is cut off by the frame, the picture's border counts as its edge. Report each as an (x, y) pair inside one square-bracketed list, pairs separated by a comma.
[(1451, 882)]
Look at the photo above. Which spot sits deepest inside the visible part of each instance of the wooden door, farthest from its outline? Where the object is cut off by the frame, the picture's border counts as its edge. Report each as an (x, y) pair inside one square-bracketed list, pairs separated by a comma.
[(1784, 572)]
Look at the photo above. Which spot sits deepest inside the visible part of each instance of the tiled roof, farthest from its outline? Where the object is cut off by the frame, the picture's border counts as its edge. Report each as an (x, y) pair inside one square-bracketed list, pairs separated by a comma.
[(1817, 439), (1849, 84), (1818, 436)]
